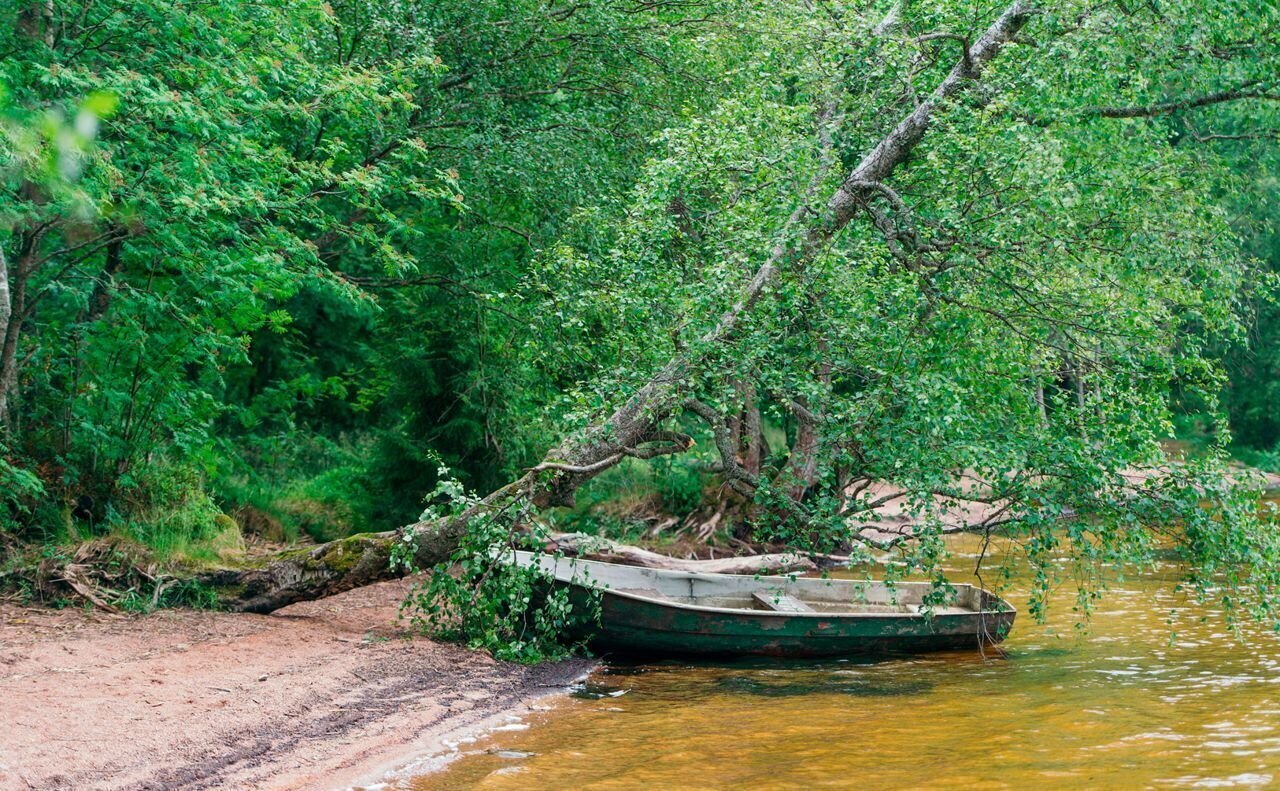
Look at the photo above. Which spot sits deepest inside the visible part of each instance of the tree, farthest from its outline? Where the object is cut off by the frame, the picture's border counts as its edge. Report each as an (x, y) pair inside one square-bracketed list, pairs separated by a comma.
[(1025, 284), (194, 212)]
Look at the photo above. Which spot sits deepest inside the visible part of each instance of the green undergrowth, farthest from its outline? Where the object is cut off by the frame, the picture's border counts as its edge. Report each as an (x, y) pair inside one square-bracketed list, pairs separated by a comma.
[(323, 490), (478, 599), (1268, 460), (622, 502), (192, 531)]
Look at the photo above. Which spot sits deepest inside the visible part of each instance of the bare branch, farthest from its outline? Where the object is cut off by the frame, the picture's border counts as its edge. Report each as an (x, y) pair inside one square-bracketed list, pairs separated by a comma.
[(724, 444), (1256, 134), (673, 442)]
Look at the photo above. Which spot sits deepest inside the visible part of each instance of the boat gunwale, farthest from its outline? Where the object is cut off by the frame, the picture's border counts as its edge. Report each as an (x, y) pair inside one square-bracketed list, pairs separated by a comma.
[(825, 616), (1006, 609)]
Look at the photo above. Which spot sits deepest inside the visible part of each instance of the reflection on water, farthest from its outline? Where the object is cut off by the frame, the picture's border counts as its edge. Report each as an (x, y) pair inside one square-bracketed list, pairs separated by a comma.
[(1136, 703), (791, 685)]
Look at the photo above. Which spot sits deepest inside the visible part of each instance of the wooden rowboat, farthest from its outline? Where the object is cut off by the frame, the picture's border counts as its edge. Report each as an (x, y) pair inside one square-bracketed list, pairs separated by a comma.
[(658, 612)]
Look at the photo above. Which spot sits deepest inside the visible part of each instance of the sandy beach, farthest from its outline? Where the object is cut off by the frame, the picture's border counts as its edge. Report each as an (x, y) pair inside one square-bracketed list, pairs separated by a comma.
[(320, 695)]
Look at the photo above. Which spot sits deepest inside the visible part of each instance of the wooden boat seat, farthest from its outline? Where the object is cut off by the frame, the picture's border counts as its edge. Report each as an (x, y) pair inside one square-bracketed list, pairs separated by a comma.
[(780, 602)]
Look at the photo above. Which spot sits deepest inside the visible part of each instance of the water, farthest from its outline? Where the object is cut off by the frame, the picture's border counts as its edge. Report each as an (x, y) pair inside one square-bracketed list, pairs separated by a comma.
[(1135, 703)]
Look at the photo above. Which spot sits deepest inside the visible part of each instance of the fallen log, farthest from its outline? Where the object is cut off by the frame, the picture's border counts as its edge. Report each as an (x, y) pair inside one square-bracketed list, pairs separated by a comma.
[(594, 548), (315, 572), (305, 574)]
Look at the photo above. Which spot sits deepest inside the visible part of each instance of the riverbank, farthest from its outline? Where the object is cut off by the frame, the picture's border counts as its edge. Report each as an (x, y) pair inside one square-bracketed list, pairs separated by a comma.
[(318, 695)]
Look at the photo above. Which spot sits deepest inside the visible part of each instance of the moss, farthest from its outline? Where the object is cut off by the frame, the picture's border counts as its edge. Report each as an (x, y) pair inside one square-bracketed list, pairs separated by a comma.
[(226, 541), (339, 560), (343, 556)]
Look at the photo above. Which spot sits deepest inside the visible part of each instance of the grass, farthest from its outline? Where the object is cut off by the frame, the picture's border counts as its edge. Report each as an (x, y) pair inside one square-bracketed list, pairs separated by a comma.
[(189, 530)]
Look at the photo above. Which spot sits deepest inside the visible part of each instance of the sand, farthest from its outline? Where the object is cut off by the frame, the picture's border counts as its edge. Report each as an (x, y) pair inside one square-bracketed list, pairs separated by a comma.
[(325, 694)]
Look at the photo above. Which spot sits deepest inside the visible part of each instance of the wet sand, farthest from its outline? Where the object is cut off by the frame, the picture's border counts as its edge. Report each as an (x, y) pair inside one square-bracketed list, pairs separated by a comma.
[(323, 694)]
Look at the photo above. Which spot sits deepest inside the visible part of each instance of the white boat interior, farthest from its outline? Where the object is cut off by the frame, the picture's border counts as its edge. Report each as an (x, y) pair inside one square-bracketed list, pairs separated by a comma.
[(785, 594)]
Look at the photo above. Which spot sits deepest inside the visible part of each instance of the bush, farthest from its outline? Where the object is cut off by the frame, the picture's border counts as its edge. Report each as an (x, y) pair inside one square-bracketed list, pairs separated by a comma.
[(20, 491), (513, 613)]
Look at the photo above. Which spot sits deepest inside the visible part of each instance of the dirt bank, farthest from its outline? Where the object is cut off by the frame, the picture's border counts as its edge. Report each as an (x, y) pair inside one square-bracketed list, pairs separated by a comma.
[(319, 695)]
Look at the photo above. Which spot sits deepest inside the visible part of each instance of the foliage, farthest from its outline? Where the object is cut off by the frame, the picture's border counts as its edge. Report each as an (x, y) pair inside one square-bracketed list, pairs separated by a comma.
[(18, 487), (1043, 287), (482, 599), (1252, 397), (273, 256), (251, 256)]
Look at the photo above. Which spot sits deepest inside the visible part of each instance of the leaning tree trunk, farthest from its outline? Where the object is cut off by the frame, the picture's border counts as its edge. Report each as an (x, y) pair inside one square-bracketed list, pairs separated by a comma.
[(348, 563)]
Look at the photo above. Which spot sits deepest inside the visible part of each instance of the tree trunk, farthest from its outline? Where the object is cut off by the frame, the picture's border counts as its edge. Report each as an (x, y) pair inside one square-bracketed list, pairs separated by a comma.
[(752, 438), (337, 566), (315, 572), (801, 470), (6, 311), (341, 565), (105, 286), (36, 21), (312, 573), (14, 295)]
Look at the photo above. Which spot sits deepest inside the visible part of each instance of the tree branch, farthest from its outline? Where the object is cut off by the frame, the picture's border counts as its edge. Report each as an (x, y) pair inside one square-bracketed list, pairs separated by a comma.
[(724, 444), (660, 396), (674, 442), (1190, 103)]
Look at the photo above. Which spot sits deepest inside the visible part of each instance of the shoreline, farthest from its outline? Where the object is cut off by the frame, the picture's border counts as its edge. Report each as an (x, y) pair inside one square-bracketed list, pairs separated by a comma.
[(438, 747), (325, 694)]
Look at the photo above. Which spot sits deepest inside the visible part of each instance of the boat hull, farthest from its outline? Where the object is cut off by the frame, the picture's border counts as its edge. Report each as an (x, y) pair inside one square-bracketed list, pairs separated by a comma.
[(637, 627)]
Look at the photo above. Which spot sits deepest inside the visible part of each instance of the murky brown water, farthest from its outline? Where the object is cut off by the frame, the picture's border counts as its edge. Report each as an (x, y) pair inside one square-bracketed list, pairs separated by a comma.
[(1132, 704)]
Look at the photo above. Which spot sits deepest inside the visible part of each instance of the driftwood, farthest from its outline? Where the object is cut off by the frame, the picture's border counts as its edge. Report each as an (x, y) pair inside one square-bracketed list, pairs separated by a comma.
[(106, 572), (593, 548)]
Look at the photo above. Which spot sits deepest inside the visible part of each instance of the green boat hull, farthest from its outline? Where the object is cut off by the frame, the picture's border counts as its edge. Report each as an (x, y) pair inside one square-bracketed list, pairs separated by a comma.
[(634, 627), (654, 612)]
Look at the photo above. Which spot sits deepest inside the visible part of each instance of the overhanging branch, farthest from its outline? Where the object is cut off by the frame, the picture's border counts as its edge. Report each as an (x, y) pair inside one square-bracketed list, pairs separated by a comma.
[(1188, 103)]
